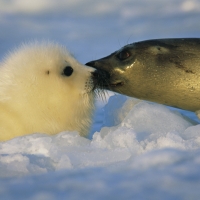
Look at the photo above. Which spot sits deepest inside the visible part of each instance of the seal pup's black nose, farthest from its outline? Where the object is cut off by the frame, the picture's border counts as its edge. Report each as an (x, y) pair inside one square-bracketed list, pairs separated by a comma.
[(100, 74), (100, 78)]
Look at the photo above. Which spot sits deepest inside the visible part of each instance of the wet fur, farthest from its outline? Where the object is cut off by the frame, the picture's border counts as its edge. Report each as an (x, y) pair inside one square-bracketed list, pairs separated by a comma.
[(165, 71)]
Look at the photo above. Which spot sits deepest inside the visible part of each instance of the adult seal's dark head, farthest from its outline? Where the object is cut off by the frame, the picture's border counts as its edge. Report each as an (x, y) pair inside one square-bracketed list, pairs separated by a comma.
[(166, 71)]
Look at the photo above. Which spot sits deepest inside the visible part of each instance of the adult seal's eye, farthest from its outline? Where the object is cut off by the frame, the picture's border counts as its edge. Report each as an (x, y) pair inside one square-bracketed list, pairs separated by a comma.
[(123, 55), (68, 71)]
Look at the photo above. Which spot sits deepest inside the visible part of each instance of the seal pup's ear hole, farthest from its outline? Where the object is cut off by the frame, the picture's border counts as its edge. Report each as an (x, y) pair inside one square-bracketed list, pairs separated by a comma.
[(123, 55), (67, 71)]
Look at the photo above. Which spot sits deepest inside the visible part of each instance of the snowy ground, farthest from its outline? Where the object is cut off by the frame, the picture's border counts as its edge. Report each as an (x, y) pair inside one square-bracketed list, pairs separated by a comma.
[(137, 150)]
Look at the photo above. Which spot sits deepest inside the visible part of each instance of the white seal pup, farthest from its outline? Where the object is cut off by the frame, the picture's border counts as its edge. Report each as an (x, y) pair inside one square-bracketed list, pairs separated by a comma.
[(165, 71), (44, 89)]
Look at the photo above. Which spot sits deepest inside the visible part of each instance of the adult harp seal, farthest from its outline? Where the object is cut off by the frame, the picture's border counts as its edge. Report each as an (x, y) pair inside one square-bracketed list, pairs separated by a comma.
[(165, 71)]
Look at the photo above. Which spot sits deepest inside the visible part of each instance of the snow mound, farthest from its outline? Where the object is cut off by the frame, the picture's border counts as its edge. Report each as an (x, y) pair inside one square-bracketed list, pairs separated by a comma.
[(131, 128)]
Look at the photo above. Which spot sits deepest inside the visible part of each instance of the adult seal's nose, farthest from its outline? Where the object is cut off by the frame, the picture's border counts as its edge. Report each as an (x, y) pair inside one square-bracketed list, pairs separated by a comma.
[(91, 64)]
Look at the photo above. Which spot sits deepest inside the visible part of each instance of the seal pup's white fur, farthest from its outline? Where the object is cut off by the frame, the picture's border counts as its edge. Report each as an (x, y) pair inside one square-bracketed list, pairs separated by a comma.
[(37, 96)]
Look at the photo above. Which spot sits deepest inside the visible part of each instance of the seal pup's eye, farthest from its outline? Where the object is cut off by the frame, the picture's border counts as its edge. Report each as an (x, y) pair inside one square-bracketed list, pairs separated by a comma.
[(123, 55), (67, 71)]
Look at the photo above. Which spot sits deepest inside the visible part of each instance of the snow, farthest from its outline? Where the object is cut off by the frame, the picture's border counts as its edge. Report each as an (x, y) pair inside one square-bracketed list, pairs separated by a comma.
[(136, 149), (144, 149)]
